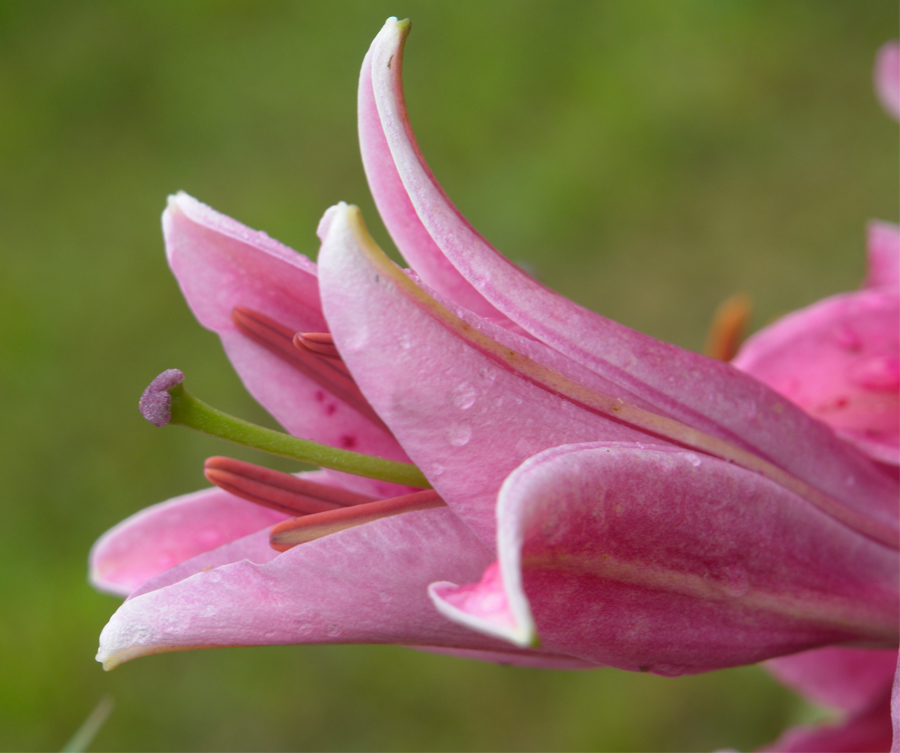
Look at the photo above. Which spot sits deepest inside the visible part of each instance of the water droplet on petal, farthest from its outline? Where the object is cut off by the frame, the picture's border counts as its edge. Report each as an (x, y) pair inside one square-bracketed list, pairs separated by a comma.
[(463, 396), (140, 636), (693, 459), (488, 374), (437, 470), (333, 630), (384, 597), (459, 434)]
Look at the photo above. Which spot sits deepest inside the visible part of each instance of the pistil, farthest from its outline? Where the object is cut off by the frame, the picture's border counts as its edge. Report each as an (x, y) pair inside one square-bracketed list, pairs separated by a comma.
[(166, 400)]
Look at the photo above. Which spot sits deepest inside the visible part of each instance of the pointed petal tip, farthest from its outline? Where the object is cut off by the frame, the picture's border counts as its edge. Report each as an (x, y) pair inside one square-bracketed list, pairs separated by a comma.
[(174, 199), (110, 659), (400, 28), (327, 219), (347, 219), (181, 203)]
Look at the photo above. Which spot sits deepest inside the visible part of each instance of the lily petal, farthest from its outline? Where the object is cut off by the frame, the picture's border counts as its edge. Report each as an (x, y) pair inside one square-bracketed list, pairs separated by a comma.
[(656, 559), (394, 206), (887, 78), (364, 585), (465, 419), (221, 264), (839, 360), (454, 400), (164, 535), (883, 251), (689, 388), (849, 679), (895, 708), (864, 732)]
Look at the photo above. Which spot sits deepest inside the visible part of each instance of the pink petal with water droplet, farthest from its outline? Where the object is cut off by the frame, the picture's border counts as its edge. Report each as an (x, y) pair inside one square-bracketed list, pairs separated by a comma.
[(465, 419), (659, 559), (221, 264), (363, 585), (688, 387)]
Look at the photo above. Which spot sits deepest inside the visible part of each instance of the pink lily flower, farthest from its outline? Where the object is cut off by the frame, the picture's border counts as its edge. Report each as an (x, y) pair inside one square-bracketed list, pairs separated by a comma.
[(604, 498), (838, 359)]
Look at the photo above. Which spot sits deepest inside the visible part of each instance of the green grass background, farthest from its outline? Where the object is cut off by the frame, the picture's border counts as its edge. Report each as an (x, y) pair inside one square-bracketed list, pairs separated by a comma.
[(645, 157)]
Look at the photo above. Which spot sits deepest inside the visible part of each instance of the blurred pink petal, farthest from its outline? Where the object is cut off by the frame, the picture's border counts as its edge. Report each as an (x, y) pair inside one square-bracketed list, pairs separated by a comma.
[(868, 731), (887, 78), (842, 678), (839, 360), (883, 248)]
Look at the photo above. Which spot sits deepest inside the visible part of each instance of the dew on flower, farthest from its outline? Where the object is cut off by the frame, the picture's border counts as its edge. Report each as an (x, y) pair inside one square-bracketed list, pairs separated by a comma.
[(463, 396), (459, 434)]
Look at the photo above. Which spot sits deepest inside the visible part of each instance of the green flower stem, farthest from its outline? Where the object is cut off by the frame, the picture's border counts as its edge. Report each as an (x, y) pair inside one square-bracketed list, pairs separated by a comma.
[(195, 414)]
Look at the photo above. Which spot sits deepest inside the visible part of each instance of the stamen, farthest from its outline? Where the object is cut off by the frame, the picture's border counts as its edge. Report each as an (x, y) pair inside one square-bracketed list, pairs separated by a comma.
[(726, 332), (289, 533), (320, 343), (277, 490), (329, 373), (166, 400)]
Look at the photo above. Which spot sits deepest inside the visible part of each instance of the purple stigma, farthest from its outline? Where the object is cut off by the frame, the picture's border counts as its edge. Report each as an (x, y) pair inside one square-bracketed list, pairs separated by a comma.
[(156, 401)]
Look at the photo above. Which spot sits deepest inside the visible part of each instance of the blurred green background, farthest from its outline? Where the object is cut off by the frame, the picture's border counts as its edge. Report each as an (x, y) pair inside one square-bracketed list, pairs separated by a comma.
[(646, 158)]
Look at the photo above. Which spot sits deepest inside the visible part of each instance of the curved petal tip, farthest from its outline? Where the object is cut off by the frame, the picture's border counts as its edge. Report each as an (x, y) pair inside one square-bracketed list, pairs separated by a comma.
[(486, 608)]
